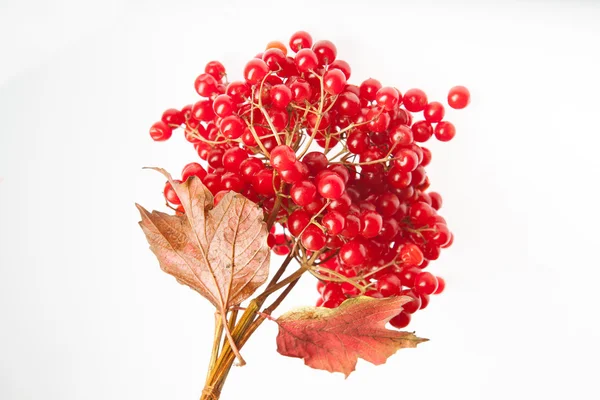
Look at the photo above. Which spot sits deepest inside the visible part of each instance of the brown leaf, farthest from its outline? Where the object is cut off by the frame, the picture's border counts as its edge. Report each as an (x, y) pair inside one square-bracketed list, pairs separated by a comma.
[(220, 252), (334, 339)]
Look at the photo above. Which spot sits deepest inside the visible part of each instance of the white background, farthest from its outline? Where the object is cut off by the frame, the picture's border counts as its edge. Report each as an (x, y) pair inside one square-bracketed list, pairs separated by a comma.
[(86, 313)]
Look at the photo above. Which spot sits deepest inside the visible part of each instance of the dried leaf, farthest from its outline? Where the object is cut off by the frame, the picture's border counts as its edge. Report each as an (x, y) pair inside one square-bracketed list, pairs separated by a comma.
[(220, 252), (334, 339)]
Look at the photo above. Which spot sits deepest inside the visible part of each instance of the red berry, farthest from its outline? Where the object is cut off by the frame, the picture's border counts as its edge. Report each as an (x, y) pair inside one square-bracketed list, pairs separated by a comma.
[(303, 193), (388, 98), (238, 91), (401, 136), (263, 182), (411, 255), (426, 283), (406, 160), (412, 306), (281, 96), (170, 194), (313, 238), (223, 105), (206, 85), (282, 157), (369, 88), (233, 158), (250, 167), (434, 112), (444, 131), (232, 181), (388, 204), (389, 285), (315, 161), (459, 97), (353, 253), (173, 117), (371, 223), (203, 111), (297, 221), (193, 169), (215, 69), (400, 321), (331, 186), (422, 131), (295, 173), (300, 40), (306, 60), (415, 100), (342, 66), (441, 285), (325, 51), (232, 127), (160, 131), (255, 71), (334, 81), (334, 222)]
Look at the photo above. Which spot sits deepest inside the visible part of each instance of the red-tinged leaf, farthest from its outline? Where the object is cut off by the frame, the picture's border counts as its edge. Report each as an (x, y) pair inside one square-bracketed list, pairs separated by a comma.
[(334, 339), (220, 252)]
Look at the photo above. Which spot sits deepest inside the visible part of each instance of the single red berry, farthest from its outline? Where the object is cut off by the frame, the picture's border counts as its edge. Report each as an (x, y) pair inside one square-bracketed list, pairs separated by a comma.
[(313, 238), (331, 186), (303, 193), (401, 135), (282, 157), (325, 51), (232, 127), (233, 158), (436, 200), (342, 66), (173, 117), (415, 100), (411, 255), (300, 40), (389, 285), (193, 169), (215, 69), (399, 179), (297, 172), (459, 97), (422, 131), (223, 105), (441, 285), (388, 204), (420, 214), (203, 111), (206, 85), (301, 90), (250, 167), (297, 221), (388, 98), (412, 306), (160, 131), (371, 223), (353, 253), (274, 58), (315, 161), (281, 96), (406, 160), (170, 193), (334, 222), (263, 182), (232, 181), (348, 104), (334, 81), (401, 320), (426, 283), (369, 88), (445, 131), (434, 112), (306, 60), (255, 71), (238, 91), (358, 142)]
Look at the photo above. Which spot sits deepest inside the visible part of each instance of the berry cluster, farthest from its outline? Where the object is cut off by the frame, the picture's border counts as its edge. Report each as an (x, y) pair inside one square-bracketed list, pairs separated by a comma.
[(338, 168)]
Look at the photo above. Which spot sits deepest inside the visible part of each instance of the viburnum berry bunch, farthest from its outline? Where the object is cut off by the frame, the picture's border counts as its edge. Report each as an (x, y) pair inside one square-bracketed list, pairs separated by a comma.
[(298, 161)]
